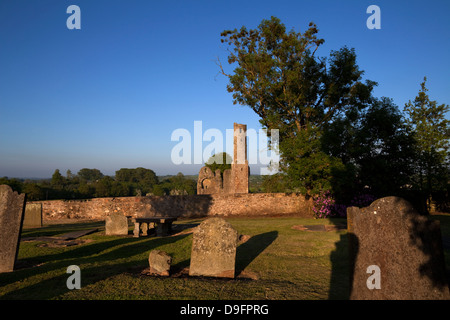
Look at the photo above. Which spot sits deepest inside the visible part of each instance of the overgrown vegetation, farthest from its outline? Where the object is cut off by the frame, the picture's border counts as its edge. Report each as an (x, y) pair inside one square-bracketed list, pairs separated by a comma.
[(221, 161)]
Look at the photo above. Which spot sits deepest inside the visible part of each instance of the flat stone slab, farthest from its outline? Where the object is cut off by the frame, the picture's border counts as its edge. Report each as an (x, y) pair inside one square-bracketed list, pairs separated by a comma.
[(63, 237), (319, 227), (76, 234), (155, 219), (163, 225), (64, 243)]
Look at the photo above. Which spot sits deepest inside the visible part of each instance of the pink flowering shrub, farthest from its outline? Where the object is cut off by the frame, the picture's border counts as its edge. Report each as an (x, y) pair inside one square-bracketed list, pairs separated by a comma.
[(325, 206)]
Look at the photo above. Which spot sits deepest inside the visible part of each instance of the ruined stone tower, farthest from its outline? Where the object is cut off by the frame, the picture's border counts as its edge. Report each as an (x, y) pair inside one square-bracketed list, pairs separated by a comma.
[(234, 180), (239, 167)]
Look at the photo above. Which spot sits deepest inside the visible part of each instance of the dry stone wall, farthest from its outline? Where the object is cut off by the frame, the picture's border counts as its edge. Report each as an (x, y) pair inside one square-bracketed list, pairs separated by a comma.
[(187, 206)]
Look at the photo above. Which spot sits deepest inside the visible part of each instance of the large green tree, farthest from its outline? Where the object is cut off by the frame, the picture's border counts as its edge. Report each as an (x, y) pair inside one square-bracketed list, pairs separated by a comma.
[(177, 185), (375, 145), (431, 132), (278, 75), (57, 180), (90, 175), (141, 179)]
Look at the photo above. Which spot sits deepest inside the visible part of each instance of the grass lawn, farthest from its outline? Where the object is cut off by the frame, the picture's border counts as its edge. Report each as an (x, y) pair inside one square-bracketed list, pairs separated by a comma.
[(277, 262)]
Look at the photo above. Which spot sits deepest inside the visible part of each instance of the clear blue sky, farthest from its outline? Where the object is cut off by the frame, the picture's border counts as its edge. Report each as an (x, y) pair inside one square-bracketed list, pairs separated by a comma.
[(110, 95)]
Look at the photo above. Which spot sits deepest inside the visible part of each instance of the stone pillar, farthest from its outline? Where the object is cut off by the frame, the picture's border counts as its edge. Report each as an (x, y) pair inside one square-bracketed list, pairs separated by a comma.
[(239, 167)]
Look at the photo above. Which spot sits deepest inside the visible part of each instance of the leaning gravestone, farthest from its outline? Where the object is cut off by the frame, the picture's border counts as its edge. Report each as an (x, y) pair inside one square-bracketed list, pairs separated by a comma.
[(116, 224), (396, 254), (33, 215), (214, 249), (12, 207)]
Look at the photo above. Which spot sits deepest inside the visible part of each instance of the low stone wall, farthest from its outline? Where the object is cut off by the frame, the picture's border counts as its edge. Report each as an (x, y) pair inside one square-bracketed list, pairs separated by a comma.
[(187, 206)]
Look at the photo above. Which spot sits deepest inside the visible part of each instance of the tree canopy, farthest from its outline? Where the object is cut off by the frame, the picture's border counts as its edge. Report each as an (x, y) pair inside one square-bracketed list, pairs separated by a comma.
[(426, 119), (334, 134), (90, 174), (220, 161), (278, 75)]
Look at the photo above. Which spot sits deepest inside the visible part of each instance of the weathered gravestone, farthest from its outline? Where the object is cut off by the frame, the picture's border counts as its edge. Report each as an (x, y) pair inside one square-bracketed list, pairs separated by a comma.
[(12, 207), (33, 215), (159, 262), (214, 249), (116, 224), (395, 253)]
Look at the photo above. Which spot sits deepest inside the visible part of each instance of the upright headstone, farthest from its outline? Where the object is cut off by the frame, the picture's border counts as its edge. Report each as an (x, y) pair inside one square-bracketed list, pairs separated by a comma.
[(33, 215), (214, 249), (12, 206), (116, 224), (396, 254)]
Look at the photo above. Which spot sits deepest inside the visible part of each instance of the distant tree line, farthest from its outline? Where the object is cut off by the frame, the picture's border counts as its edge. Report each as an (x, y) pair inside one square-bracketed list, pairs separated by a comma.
[(92, 183)]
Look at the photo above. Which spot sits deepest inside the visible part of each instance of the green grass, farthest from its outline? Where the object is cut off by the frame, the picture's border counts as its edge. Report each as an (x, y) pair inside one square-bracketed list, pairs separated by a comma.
[(288, 264)]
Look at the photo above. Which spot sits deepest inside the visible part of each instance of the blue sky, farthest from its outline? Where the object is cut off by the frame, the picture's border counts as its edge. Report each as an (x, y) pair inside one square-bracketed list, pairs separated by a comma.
[(109, 95)]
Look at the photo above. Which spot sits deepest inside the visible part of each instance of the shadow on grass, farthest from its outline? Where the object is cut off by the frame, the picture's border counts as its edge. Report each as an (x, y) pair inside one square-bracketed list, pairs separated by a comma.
[(103, 265), (248, 251), (57, 229), (342, 264)]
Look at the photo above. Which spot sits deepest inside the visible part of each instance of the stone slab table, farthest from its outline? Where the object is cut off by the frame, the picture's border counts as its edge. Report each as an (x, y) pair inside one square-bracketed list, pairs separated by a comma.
[(163, 225)]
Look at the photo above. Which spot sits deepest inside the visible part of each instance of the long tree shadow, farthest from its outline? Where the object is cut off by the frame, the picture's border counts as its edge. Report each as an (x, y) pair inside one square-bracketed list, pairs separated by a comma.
[(249, 250), (342, 266), (103, 266), (57, 285), (44, 263), (95, 248)]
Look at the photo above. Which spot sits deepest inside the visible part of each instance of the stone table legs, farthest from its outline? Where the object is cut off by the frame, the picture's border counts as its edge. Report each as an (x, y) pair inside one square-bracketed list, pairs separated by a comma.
[(163, 228)]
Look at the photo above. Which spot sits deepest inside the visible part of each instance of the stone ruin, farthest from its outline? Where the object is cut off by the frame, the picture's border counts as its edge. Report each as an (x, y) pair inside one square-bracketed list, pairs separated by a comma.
[(234, 180)]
